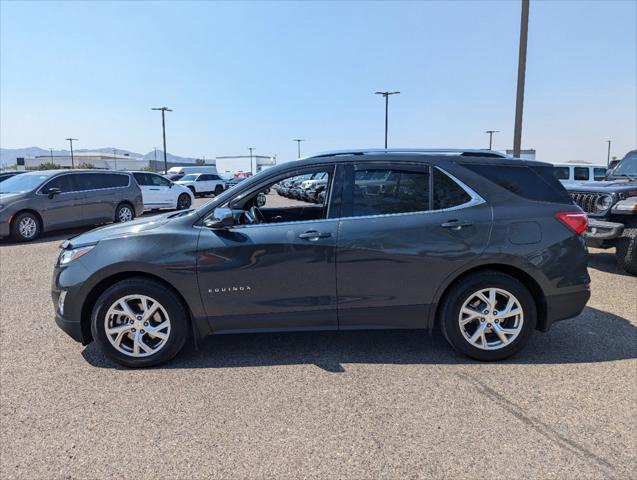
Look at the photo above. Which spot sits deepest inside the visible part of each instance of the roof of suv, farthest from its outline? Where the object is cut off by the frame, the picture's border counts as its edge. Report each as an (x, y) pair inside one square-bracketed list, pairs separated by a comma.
[(467, 152)]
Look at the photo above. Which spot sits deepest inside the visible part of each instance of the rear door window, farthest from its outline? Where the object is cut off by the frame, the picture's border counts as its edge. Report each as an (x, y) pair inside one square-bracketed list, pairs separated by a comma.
[(384, 191), (447, 193), (582, 173), (115, 180), (90, 181)]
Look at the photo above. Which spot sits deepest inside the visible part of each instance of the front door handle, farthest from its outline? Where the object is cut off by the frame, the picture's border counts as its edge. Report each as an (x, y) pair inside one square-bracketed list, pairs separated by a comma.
[(314, 235), (456, 224)]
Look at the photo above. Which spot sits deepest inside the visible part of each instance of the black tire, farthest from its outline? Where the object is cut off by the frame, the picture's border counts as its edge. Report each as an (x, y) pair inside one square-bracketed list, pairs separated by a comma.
[(124, 213), (626, 250), (184, 201), (25, 227), (462, 291), (218, 190), (171, 303)]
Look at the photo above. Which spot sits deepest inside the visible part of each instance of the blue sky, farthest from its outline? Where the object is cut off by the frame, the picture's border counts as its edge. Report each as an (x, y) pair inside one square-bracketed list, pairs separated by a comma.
[(260, 74)]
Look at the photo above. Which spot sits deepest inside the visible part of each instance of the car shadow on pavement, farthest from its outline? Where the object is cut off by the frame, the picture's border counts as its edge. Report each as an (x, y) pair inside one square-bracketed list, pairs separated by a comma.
[(605, 261), (594, 336)]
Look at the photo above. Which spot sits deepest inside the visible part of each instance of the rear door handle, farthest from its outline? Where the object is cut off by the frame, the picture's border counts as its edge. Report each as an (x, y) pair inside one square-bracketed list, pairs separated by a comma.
[(314, 235), (456, 224)]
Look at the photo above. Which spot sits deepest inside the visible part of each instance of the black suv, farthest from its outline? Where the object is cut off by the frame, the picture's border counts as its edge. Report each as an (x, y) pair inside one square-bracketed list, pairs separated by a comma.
[(487, 249), (612, 208)]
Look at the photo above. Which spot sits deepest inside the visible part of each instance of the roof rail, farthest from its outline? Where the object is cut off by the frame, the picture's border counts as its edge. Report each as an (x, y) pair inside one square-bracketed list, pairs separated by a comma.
[(467, 152)]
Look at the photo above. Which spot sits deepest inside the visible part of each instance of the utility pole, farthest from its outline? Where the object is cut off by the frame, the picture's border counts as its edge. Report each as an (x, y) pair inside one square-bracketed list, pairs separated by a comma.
[(608, 155), (251, 169), (115, 158), (519, 101), (163, 111), (386, 95), (51, 150), (298, 144), (71, 140), (491, 132)]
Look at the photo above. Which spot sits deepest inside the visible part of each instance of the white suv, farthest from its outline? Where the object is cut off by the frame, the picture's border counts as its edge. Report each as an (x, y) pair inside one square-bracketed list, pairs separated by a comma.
[(159, 192), (203, 183)]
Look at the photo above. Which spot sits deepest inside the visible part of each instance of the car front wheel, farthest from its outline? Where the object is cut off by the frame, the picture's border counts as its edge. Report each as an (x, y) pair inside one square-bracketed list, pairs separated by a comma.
[(25, 227), (488, 316), (183, 202), (139, 323)]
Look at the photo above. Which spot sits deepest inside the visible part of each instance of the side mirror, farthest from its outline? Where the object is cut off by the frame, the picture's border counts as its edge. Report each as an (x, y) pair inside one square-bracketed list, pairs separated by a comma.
[(260, 200), (220, 218), (53, 191), (170, 184)]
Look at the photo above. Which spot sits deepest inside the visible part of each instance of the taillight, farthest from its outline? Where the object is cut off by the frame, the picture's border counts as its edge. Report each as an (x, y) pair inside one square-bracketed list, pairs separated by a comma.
[(576, 221)]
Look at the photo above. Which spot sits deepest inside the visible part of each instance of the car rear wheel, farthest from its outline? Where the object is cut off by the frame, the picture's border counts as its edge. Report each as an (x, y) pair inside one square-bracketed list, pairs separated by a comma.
[(626, 250), (488, 316), (25, 227), (124, 213), (218, 190), (139, 323), (183, 202)]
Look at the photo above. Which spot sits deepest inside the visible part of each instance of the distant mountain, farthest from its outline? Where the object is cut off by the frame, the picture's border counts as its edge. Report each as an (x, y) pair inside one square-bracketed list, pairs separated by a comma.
[(8, 155)]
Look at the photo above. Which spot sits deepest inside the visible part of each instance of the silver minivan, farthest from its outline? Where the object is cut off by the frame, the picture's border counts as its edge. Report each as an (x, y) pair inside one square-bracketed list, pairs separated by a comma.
[(41, 201)]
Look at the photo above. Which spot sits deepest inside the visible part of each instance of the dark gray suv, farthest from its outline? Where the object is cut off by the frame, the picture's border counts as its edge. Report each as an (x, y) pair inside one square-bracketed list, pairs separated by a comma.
[(42, 201), (488, 249)]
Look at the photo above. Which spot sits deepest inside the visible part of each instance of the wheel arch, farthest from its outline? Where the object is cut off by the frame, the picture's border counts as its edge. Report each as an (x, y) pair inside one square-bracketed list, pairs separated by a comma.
[(519, 274), (102, 285), (31, 211)]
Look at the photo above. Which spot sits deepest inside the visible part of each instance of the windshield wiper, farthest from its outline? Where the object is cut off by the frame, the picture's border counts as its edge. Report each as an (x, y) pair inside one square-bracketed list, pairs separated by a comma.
[(630, 177)]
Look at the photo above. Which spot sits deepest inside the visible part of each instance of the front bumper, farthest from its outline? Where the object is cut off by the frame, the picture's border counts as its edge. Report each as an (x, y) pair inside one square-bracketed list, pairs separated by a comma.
[(67, 281), (5, 228), (599, 231)]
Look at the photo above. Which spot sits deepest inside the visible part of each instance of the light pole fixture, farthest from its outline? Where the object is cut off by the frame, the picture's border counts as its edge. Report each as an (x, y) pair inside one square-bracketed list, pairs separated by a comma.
[(519, 100), (163, 111), (298, 145), (71, 140), (386, 95), (491, 132), (608, 154), (251, 169)]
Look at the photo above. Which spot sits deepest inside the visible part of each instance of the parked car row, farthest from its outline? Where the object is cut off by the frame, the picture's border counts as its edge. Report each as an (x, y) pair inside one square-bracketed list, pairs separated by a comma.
[(309, 188)]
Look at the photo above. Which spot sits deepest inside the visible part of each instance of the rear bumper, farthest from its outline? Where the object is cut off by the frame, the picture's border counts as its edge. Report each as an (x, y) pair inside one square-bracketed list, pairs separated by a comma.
[(566, 305)]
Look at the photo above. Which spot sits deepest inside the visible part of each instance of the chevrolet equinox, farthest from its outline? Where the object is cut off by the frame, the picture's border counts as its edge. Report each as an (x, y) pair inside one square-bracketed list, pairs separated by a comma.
[(486, 248)]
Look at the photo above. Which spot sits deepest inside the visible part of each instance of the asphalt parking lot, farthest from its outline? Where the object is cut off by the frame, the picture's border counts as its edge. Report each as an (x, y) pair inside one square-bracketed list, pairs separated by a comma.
[(376, 404)]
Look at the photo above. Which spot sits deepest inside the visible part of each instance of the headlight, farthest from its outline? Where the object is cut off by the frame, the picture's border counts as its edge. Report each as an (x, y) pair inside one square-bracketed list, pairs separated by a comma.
[(604, 203), (626, 207), (67, 256)]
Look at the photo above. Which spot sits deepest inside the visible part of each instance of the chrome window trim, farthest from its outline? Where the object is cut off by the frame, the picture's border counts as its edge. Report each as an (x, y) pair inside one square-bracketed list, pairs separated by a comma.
[(39, 191), (475, 200)]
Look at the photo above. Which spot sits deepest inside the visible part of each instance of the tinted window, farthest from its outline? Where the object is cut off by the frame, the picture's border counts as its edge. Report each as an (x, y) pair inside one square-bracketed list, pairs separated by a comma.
[(561, 173), (214, 177), (447, 193), (157, 180), (381, 192), (63, 182), (90, 181), (534, 183), (203, 178), (581, 173), (142, 178), (599, 173), (115, 180)]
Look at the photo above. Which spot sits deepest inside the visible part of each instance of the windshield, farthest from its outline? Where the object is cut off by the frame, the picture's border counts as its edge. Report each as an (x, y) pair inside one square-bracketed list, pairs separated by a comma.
[(628, 166), (189, 178), (22, 183)]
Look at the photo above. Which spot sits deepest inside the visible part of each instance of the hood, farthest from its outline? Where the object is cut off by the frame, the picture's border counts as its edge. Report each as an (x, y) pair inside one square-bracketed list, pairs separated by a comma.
[(9, 197), (123, 230), (606, 186)]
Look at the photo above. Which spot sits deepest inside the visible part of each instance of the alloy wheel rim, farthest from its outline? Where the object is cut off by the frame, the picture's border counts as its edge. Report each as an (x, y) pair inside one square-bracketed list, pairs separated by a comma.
[(183, 202), (125, 214), (491, 318), (27, 227), (137, 326)]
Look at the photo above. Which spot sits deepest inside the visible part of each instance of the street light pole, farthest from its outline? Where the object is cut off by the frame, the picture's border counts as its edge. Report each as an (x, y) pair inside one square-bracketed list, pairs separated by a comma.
[(519, 101), (163, 110), (71, 140), (608, 154), (115, 158), (491, 132), (386, 95), (51, 150), (251, 169), (298, 144)]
